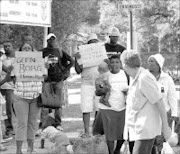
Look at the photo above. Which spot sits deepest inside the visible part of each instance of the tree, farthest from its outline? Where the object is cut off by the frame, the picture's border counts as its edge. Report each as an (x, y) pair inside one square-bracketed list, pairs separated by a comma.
[(67, 16)]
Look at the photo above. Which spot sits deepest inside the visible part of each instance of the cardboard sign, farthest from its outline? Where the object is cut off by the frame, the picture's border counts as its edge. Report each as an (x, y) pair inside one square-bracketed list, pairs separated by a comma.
[(29, 66), (92, 54)]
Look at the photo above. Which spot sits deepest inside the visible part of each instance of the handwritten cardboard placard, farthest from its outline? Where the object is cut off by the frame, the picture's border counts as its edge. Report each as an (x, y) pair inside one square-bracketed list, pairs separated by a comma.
[(28, 66), (92, 54)]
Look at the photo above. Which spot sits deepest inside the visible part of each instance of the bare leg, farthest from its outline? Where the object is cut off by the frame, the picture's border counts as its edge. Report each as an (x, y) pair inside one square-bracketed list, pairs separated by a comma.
[(86, 120), (110, 145), (19, 147)]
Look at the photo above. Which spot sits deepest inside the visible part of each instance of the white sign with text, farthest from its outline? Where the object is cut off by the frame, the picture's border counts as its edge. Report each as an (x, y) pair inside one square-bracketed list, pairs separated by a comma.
[(26, 12), (29, 66), (92, 54)]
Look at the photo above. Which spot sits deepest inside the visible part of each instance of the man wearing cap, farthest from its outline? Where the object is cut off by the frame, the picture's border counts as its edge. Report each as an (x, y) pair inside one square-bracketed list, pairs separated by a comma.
[(55, 60), (7, 89), (167, 88), (113, 47), (89, 100)]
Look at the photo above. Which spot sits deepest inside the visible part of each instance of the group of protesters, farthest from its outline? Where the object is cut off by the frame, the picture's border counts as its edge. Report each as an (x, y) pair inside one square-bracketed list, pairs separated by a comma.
[(22, 97), (142, 103)]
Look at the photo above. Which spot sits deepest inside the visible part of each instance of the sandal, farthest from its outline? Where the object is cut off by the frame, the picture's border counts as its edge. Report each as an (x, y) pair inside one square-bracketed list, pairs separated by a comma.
[(85, 135), (59, 128), (2, 148)]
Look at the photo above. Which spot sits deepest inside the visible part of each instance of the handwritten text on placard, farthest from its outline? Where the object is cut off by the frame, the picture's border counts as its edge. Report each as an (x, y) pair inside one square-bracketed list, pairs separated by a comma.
[(29, 66), (92, 54)]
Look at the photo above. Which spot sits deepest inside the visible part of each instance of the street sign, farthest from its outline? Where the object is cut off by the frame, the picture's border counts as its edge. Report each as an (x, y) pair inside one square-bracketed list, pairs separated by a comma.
[(130, 5), (26, 12)]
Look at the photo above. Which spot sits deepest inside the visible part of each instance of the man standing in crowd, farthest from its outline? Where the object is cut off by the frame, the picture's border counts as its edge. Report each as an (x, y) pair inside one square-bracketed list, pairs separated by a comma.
[(7, 89), (56, 73), (89, 101), (113, 48)]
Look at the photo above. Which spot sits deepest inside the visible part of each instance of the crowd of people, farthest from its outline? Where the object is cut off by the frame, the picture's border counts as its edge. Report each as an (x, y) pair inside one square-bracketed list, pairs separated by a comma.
[(135, 104)]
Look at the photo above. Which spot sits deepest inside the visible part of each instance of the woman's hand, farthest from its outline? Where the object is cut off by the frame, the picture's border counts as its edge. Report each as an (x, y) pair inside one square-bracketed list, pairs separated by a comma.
[(47, 65), (166, 132)]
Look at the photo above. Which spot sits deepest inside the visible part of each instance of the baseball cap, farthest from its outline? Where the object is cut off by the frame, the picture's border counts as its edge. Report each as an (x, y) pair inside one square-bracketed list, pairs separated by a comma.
[(114, 32), (92, 36), (51, 35)]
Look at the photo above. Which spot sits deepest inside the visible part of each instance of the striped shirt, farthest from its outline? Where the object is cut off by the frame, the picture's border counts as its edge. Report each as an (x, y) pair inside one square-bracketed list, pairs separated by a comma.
[(28, 90)]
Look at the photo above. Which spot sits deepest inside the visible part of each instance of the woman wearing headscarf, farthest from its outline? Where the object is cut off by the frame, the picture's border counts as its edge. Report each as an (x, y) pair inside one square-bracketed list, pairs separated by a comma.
[(166, 87)]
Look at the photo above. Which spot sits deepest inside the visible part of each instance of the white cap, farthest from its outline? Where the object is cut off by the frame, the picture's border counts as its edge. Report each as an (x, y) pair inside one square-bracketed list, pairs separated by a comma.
[(51, 35), (92, 36), (114, 32), (159, 59)]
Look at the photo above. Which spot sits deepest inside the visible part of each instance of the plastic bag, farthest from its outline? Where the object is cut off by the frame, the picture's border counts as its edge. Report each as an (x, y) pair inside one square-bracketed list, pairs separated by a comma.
[(173, 140), (167, 149), (125, 148)]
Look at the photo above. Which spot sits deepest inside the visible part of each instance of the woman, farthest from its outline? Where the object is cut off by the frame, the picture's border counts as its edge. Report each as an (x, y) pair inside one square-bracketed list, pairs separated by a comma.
[(145, 108), (25, 104), (113, 116), (26, 47), (167, 89)]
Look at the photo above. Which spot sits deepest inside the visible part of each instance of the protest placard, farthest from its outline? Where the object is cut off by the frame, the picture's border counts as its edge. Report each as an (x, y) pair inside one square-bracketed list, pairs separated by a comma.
[(92, 54), (28, 66)]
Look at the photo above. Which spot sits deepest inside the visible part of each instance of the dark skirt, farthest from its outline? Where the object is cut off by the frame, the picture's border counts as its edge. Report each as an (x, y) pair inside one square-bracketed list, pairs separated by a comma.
[(113, 124)]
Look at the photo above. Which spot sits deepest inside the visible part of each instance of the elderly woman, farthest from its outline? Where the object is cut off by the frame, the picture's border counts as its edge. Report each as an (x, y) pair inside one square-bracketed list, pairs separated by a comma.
[(167, 88), (145, 112)]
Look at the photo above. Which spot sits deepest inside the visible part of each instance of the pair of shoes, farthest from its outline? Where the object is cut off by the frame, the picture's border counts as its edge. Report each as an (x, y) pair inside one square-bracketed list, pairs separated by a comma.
[(2, 148), (59, 128), (3, 141), (10, 132), (38, 133), (85, 135), (7, 138)]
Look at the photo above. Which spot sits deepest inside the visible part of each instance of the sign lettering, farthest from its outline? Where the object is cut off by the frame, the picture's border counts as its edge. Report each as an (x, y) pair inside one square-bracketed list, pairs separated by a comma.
[(29, 66), (92, 54)]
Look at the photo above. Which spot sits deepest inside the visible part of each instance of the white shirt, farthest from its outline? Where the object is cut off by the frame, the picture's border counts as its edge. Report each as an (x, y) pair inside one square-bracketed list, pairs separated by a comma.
[(167, 88), (117, 99), (142, 119), (89, 75), (7, 62)]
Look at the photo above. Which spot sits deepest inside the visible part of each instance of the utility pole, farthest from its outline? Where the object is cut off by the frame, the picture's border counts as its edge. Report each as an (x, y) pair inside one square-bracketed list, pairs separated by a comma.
[(131, 29)]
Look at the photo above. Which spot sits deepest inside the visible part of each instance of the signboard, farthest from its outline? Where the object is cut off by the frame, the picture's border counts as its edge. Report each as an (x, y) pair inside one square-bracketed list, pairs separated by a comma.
[(29, 66), (130, 5), (26, 12), (92, 54)]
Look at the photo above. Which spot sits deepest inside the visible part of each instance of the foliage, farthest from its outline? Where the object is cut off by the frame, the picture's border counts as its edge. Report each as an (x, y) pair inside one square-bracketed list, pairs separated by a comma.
[(67, 16), (158, 20)]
